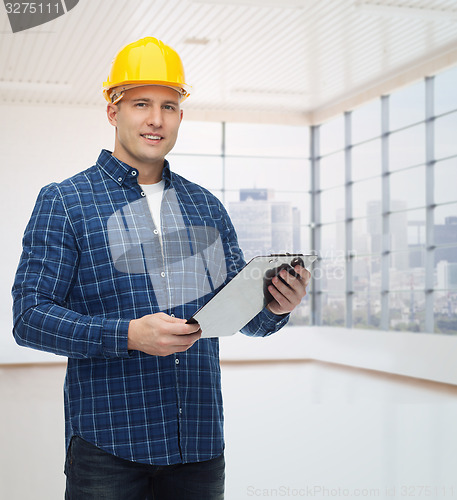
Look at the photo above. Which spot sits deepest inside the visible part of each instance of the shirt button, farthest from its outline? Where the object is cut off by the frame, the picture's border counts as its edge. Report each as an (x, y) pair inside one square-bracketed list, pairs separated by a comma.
[(177, 361), (172, 315), (162, 274), (119, 179), (180, 411), (142, 193), (133, 173), (156, 231)]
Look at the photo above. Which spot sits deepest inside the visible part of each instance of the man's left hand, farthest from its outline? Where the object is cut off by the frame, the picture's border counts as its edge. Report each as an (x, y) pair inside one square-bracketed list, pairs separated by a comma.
[(287, 297)]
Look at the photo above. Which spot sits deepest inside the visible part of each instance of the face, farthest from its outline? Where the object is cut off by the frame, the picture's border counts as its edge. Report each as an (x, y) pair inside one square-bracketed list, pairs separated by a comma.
[(147, 121)]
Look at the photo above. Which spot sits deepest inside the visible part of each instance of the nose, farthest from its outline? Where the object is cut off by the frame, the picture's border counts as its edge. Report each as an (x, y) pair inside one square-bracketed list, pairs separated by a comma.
[(155, 116)]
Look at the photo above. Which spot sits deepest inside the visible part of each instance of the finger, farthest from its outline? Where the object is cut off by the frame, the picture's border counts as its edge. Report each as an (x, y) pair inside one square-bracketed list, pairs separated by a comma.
[(171, 319), (183, 342), (293, 284), (184, 329), (179, 326), (293, 290), (279, 296), (304, 274), (302, 277)]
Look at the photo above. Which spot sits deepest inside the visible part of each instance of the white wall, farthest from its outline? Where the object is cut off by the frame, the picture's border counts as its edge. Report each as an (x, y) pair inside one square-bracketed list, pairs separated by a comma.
[(291, 428), (32, 432), (39, 145)]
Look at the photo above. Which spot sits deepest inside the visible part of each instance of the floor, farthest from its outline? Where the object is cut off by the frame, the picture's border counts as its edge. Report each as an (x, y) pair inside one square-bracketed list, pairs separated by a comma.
[(292, 430)]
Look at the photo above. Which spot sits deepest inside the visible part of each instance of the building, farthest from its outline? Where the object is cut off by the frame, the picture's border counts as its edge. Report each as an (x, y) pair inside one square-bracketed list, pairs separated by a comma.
[(265, 225)]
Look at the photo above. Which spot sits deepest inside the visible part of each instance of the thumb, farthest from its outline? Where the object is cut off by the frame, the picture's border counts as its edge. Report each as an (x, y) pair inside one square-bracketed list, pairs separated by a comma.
[(173, 319)]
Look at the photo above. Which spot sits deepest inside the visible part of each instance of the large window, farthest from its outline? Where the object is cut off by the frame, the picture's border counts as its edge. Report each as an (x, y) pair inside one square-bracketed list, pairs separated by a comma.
[(373, 191), (386, 220)]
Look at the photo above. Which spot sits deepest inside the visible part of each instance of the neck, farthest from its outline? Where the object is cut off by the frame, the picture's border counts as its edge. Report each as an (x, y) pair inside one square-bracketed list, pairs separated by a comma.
[(149, 176), (148, 173)]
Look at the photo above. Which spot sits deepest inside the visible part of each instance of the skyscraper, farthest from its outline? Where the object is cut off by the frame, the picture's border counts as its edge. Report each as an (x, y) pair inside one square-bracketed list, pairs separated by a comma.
[(264, 225)]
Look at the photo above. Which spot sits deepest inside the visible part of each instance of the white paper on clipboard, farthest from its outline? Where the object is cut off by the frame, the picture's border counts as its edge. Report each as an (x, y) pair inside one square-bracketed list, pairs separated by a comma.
[(243, 297)]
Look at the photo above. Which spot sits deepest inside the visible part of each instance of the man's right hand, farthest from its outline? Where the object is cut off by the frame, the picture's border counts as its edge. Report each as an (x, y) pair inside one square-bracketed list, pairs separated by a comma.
[(161, 335)]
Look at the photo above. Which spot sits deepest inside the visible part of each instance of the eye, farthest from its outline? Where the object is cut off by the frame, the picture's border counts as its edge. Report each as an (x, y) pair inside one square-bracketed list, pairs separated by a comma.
[(169, 107), (140, 105)]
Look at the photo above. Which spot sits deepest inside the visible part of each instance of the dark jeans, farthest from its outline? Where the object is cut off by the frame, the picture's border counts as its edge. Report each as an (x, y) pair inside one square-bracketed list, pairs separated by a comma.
[(93, 474)]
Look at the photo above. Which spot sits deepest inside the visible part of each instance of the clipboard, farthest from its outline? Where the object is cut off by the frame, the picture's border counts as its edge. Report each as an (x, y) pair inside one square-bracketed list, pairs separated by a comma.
[(244, 296)]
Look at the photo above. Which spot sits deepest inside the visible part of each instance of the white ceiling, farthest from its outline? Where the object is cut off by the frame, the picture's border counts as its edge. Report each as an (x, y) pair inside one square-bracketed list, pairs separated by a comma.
[(286, 60)]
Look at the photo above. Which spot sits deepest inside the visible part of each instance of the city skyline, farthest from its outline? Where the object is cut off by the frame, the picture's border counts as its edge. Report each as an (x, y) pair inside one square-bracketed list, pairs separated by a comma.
[(267, 225)]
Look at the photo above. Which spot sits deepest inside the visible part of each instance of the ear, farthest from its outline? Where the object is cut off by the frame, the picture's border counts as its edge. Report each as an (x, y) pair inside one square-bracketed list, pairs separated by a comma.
[(180, 120), (111, 113)]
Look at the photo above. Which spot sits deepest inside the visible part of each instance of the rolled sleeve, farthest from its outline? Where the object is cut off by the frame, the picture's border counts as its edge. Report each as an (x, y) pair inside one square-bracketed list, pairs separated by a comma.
[(115, 338), (265, 323)]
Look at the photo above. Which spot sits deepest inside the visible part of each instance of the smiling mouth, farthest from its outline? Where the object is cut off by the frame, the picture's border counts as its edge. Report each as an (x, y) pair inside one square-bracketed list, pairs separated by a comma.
[(152, 137)]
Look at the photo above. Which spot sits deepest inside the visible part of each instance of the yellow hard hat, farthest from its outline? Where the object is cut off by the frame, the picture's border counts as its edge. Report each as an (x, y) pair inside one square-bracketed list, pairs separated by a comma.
[(145, 62)]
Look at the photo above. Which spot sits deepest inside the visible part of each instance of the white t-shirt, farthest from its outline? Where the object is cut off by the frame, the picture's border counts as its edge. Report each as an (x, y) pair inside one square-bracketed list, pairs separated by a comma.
[(154, 193)]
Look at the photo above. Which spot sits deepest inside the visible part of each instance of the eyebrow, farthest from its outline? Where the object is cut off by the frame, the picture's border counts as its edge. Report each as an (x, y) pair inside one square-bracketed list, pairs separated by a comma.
[(146, 99)]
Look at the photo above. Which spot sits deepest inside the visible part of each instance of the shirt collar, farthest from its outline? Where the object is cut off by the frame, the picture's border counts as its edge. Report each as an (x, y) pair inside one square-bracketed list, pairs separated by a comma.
[(120, 171)]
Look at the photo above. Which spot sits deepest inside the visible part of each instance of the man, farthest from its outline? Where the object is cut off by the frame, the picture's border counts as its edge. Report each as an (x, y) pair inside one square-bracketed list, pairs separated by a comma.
[(113, 263)]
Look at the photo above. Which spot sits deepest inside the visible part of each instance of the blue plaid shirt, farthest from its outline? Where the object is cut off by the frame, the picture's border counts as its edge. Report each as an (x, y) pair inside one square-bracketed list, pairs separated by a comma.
[(71, 299)]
